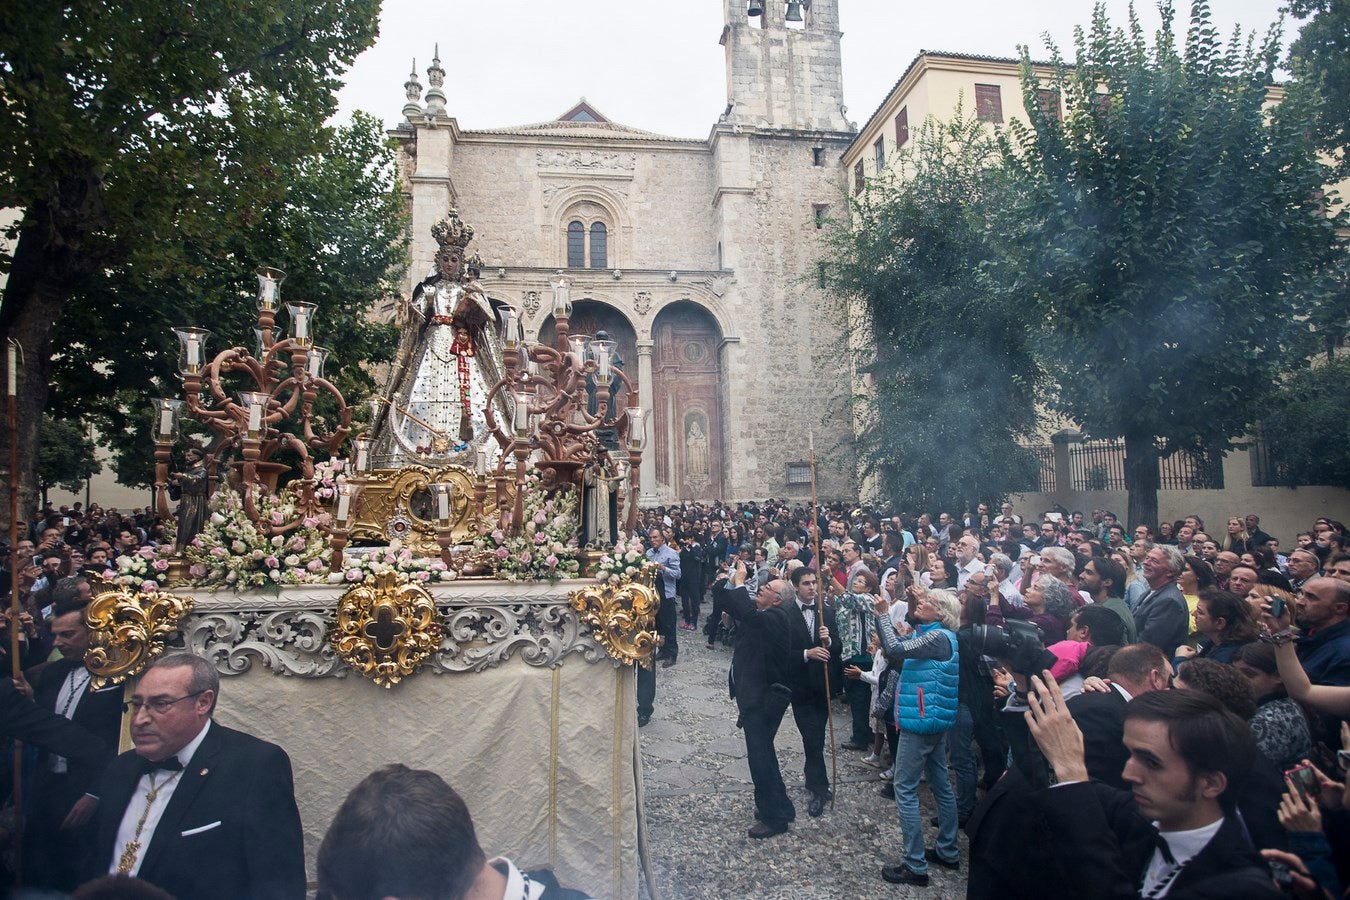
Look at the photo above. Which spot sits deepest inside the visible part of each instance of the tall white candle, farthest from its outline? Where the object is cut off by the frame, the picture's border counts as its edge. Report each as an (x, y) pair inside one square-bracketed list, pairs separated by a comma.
[(361, 456), (344, 505), (194, 352), (522, 414), (443, 503), (165, 423), (255, 412), (301, 326), (482, 462), (13, 370), (602, 365)]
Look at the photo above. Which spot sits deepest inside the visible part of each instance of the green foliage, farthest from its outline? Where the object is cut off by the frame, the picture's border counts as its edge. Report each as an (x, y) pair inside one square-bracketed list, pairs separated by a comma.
[(1320, 59), (337, 229), (66, 457), (1171, 236), (953, 376), (1304, 431)]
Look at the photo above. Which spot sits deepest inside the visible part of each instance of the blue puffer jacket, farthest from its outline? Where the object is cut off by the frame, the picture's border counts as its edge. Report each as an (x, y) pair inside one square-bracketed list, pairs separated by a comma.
[(928, 696)]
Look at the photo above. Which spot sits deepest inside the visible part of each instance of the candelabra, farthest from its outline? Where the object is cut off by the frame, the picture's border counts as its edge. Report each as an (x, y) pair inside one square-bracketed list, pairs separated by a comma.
[(250, 422)]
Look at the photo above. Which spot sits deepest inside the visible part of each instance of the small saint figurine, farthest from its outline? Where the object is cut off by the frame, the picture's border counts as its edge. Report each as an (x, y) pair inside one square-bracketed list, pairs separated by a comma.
[(191, 487)]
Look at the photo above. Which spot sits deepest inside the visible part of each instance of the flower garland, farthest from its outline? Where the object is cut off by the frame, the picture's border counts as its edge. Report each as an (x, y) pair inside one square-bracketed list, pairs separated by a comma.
[(231, 550), (623, 562), (546, 548), (147, 569), (396, 559), (327, 476)]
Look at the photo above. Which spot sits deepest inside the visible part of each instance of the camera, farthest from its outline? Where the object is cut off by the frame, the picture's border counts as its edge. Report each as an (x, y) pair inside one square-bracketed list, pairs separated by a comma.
[(1018, 643)]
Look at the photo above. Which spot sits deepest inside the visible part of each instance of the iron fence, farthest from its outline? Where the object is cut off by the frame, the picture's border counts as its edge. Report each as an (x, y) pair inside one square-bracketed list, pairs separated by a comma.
[(1191, 471), (1097, 466)]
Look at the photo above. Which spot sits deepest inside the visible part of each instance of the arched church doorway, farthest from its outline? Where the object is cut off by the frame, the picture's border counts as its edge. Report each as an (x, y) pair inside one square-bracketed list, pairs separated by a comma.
[(686, 396), (591, 316)]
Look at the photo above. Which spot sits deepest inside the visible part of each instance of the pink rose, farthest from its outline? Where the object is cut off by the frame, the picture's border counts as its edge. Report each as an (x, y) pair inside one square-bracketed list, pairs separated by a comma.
[(271, 562), (197, 570), (197, 542), (353, 574), (552, 561), (314, 565), (149, 587), (498, 537), (146, 552), (540, 518), (278, 518), (160, 565), (299, 544), (438, 566), (526, 558), (219, 552), (501, 553), (540, 537)]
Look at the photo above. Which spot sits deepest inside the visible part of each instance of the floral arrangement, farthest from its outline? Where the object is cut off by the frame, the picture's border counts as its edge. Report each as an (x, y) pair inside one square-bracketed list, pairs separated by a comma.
[(546, 548), (397, 559), (146, 569), (623, 561), (231, 550), (327, 476)]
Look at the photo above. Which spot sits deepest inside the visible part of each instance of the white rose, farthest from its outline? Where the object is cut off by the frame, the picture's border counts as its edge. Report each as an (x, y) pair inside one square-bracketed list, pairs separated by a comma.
[(292, 560)]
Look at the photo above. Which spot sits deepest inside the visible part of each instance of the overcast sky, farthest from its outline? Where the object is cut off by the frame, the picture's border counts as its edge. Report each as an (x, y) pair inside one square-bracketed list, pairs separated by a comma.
[(658, 65)]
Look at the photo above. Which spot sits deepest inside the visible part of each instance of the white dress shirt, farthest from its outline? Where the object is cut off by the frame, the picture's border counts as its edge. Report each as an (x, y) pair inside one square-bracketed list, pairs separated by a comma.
[(67, 699), (1184, 846), (169, 781)]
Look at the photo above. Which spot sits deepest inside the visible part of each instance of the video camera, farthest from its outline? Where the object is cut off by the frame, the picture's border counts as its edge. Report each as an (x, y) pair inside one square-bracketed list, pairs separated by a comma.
[(1020, 644)]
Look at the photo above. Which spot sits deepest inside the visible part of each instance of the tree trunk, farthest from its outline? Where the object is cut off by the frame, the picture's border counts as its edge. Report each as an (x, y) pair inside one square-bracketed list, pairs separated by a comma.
[(50, 260), (1141, 480)]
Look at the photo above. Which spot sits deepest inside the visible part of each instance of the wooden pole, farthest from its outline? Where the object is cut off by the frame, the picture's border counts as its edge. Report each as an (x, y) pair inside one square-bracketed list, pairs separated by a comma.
[(15, 607), (820, 614)]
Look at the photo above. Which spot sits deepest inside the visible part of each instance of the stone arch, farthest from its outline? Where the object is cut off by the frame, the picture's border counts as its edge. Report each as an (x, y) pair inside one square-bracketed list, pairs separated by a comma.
[(590, 204), (590, 315), (687, 401)]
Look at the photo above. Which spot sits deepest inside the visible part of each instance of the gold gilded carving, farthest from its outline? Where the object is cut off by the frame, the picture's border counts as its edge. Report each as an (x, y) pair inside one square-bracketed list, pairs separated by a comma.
[(622, 617), (127, 630), (399, 503), (386, 630)]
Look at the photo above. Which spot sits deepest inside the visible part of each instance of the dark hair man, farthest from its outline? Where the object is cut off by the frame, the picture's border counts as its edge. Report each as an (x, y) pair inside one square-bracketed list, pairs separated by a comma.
[(815, 645), (1104, 580), (196, 808), (1187, 757), (405, 834)]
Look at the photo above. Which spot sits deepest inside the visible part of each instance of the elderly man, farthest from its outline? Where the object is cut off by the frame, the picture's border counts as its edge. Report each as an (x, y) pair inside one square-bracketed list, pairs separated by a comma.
[(1224, 561), (667, 562), (198, 809), (968, 560), (1161, 617), (1303, 565), (1323, 612)]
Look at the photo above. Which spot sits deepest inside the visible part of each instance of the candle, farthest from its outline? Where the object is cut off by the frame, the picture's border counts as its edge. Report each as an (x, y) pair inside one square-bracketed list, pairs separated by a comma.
[(255, 412), (302, 326), (13, 369), (443, 502), (194, 352), (344, 506), (362, 454), (602, 365), (482, 462), (269, 289), (165, 423), (522, 414)]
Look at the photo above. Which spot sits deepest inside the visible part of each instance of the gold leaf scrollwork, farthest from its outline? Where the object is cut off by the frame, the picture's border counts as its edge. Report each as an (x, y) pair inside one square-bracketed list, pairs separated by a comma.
[(387, 629), (622, 617), (127, 630)]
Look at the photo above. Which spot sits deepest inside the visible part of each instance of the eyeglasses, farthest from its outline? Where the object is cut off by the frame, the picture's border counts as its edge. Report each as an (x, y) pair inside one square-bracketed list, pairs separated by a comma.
[(159, 706)]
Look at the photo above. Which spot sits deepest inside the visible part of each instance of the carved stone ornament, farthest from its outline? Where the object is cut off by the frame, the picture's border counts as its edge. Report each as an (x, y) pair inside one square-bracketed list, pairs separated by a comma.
[(531, 302), (622, 617), (127, 630), (386, 630), (642, 302)]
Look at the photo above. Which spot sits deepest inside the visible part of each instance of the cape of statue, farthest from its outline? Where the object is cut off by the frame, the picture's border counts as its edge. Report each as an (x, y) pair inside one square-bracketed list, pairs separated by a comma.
[(449, 357)]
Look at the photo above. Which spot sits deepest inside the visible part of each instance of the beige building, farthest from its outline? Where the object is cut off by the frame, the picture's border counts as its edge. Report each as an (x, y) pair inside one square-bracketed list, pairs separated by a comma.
[(698, 256)]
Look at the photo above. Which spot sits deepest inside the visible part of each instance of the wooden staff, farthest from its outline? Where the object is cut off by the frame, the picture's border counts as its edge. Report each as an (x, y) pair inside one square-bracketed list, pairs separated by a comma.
[(15, 609), (820, 613)]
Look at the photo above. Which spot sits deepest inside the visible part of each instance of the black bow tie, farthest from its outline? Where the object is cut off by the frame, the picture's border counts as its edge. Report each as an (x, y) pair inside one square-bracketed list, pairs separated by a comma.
[(1161, 843), (807, 607), (171, 764)]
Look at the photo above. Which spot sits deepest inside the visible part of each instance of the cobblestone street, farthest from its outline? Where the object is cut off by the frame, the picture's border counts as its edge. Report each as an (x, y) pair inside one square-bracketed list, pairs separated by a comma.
[(699, 804)]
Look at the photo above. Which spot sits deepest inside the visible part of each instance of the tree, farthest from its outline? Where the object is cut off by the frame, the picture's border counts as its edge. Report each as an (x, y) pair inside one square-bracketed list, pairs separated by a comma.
[(66, 457), (126, 134), (953, 377), (338, 230), (1173, 238), (1320, 58), (1304, 431)]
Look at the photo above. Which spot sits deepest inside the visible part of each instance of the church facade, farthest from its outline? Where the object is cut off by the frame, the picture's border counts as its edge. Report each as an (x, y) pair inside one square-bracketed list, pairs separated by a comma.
[(699, 257)]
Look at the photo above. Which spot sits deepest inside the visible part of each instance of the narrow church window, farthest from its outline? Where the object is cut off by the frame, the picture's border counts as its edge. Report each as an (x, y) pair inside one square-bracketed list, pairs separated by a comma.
[(599, 238), (902, 127), (576, 245), (1048, 100), (799, 473), (988, 103), (879, 149), (858, 177), (817, 156), (821, 210)]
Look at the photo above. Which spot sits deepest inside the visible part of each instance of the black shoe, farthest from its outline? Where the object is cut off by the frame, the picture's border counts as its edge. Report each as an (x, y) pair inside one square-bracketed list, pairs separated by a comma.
[(903, 874), (712, 646), (931, 855), (817, 805), (888, 791), (667, 662), (765, 830), (643, 720), (960, 822), (854, 745)]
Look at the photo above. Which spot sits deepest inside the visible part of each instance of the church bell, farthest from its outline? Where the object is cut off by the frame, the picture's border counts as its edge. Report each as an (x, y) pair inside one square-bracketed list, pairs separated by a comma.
[(794, 11), (756, 8)]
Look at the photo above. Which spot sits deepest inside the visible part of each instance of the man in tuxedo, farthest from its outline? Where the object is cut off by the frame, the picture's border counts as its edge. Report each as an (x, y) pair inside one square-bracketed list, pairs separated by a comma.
[(198, 809), (59, 831), (1177, 835), (1134, 670), (405, 833), (759, 681), (815, 645), (1162, 618), (23, 720)]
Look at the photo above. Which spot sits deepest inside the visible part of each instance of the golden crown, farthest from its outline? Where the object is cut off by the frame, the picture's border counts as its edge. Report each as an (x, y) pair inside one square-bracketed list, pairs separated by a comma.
[(452, 232)]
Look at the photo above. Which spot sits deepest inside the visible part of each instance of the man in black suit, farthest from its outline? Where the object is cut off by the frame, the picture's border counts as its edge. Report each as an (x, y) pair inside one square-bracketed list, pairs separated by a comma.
[(198, 809), (59, 833), (23, 720), (758, 680), (1161, 617), (1133, 671), (1176, 836), (814, 646)]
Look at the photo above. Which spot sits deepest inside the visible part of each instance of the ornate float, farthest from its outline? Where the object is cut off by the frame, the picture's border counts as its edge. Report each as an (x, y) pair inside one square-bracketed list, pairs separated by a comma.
[(413, 593)]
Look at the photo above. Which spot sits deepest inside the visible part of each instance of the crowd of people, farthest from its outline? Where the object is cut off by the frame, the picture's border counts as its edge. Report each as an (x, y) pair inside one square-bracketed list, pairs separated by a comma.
[(1196, 684), (1150, 711)]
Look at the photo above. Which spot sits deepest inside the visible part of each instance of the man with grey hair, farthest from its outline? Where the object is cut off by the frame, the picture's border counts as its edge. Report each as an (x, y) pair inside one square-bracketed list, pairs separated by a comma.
[(196, 808), (1003, 571), (1161, 617)]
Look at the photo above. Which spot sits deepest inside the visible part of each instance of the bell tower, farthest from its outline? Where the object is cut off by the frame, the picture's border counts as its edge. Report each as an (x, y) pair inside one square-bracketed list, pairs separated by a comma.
[(783, 64)]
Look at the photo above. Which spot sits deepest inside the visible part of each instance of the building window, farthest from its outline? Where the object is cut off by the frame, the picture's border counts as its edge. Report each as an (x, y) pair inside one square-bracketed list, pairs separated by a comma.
[(879, 151), (799, 473), (599, 245), (988, 103), (576, 245), (821, 212), (902, 127), (1047, 99), (817, 156), (858, 177)]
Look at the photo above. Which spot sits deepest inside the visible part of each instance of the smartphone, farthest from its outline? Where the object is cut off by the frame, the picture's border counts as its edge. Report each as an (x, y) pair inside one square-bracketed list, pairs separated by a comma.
[(1305, 782), (1277, 607), (37, 561)]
